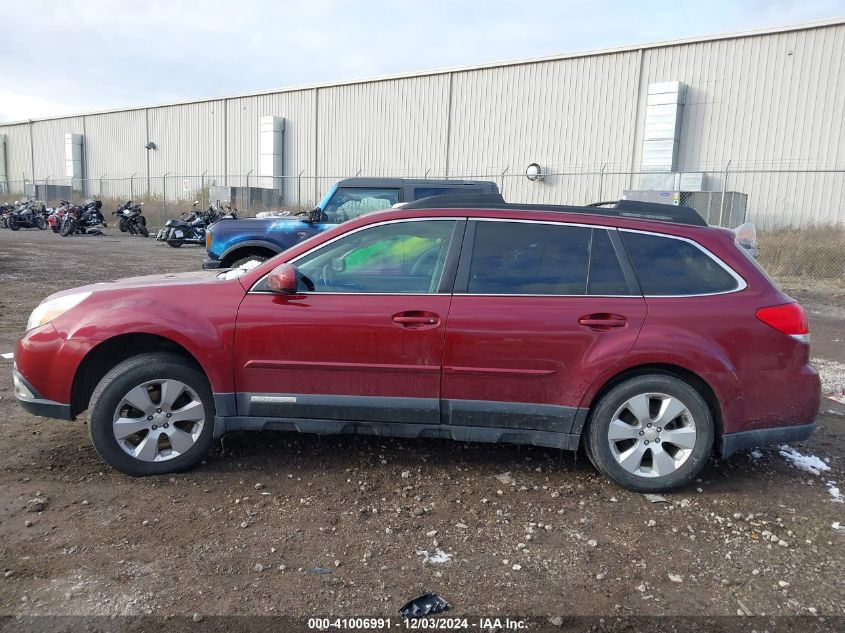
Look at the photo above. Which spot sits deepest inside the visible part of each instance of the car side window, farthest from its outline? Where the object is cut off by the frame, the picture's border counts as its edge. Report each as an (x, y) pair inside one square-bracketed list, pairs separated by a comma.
[(427, 192), (399, 257), (524, 258), (671, 267), (350, 202)]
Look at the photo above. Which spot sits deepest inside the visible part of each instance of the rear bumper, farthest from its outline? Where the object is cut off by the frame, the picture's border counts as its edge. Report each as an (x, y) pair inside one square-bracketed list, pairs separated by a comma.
[(744, 440), (210, 264), (32, 402)]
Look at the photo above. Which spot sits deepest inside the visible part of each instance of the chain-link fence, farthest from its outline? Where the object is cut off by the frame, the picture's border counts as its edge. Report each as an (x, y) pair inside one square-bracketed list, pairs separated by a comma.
[(799, 213)]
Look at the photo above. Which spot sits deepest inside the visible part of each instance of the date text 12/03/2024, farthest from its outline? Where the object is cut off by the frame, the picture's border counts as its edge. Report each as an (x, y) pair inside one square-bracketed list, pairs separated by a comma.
[(422, 624)]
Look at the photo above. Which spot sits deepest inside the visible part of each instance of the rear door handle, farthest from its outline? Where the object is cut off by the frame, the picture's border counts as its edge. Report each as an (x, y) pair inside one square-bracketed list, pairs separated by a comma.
[(416, 319), (603, 321)]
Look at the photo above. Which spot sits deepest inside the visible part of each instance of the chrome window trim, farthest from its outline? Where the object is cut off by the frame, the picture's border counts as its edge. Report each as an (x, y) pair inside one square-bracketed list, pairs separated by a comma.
[(740, 281), (347, 234)]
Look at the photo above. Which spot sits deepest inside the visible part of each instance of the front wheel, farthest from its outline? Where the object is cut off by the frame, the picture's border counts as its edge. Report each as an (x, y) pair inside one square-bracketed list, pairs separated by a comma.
[(13, 224), (152, 414), (142, 229), (121, 224), (650, 433), (68, 226)]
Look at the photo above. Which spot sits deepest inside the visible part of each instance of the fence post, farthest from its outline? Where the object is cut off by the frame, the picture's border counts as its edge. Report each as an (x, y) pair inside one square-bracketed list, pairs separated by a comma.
[(100, 192), (299, 190), (502, 187), (164, 192), (601, 183), (724, 192), (202, 190), (132, 186), (249, 195)]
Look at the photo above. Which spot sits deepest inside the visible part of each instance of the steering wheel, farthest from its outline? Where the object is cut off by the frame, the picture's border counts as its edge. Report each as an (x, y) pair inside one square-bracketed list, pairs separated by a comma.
[(427, 259)]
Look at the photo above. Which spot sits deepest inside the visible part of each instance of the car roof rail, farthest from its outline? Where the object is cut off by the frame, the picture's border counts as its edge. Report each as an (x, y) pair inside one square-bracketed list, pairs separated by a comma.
[(633, 209)]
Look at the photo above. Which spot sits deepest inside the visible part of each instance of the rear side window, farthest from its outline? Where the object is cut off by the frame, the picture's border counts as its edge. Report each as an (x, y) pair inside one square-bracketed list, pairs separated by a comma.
[(519, 258), (668, 266), (427, 192)]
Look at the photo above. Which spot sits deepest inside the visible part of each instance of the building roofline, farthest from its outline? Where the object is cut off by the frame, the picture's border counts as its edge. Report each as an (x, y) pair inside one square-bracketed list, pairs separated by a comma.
[(459, 69)]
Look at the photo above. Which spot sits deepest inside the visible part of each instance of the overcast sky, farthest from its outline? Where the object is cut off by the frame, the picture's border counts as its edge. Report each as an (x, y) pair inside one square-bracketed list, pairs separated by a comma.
[(67, 56)]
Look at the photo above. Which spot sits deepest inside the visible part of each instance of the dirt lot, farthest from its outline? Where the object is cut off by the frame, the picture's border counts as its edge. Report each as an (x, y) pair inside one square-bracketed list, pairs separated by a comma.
[(275, 523)]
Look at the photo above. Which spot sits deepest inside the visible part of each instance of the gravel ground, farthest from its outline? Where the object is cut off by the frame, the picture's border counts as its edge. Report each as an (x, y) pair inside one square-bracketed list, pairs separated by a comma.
[(274, 523)]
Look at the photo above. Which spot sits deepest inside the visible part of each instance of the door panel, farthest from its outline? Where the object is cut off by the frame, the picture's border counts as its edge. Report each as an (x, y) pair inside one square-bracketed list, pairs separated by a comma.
[(528, 359), (533, 323), (348, 351), (366, 342)]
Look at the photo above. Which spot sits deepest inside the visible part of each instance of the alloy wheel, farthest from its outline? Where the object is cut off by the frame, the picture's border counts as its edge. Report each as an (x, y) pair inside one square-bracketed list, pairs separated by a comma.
[(652, 434), (158, 420)]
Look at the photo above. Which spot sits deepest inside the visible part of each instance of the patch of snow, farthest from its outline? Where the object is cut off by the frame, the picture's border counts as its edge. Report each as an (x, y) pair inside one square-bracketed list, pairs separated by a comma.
[(835, 525), (755, 453), (506, 478), (834, 491), (438, 557), (240, 270), (807, 463), (8, 355)]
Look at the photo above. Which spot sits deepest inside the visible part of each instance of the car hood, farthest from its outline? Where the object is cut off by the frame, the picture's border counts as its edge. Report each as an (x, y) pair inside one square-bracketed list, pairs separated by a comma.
[(148, 281)]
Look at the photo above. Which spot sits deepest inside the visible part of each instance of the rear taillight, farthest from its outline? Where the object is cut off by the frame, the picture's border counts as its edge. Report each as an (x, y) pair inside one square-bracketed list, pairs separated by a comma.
[(788, 318)]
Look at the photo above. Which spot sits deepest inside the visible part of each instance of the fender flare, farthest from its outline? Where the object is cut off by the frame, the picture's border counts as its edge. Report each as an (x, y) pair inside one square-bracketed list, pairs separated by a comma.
[(270, 246)]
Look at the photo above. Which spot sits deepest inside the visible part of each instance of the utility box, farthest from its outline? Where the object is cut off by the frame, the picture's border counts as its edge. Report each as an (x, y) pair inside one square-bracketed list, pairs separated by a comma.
[(73, 161), (728, 209), (247, 200)]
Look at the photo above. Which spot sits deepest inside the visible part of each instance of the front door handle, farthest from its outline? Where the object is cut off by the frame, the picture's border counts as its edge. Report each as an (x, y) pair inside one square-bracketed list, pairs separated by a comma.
[(416, 319), (603, 321)]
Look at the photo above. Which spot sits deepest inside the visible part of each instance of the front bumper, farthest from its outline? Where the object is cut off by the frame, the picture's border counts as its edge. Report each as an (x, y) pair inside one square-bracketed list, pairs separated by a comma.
[(32, 401), (210, 264), (744, 440)]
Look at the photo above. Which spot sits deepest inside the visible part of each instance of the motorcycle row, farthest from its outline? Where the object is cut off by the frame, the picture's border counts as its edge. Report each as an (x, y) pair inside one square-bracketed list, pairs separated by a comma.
[(68, 219), (190, 227)]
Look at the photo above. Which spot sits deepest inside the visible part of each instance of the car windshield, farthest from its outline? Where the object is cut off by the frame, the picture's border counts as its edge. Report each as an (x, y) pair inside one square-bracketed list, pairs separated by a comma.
[(348, 203)]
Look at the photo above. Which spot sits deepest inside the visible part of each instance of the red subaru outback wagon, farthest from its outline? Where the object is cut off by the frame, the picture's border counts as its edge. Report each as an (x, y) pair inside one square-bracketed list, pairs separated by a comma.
[(637, 332)]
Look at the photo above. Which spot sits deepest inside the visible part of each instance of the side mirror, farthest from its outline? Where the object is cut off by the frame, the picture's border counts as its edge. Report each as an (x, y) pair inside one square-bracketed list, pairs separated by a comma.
[(283, 279)]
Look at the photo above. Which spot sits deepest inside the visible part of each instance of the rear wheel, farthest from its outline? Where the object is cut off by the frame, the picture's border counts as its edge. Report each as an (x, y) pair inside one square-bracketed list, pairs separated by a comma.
[(152, 414), (41, 222), (651, 433), (174, 243)]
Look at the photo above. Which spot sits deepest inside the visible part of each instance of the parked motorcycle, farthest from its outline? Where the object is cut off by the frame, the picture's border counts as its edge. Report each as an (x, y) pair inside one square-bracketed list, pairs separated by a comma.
[(5, 211), (130, 219), (190, 228), (54, 219), (83, 219), (27, 216)]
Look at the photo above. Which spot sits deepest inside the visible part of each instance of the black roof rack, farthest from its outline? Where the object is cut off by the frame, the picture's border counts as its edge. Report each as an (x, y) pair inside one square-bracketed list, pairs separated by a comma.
[(633, 209)]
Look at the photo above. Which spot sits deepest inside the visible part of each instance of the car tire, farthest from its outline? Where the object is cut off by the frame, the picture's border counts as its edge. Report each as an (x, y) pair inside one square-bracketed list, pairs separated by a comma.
[(243, 260), (112, 415), (626, 440)]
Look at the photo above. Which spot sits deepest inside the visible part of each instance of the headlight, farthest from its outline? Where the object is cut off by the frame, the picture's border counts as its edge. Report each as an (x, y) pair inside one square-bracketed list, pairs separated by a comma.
[(54, 308)]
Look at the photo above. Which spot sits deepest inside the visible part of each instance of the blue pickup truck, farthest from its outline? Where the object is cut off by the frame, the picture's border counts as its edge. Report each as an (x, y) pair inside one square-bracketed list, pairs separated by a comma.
[(234, 242)]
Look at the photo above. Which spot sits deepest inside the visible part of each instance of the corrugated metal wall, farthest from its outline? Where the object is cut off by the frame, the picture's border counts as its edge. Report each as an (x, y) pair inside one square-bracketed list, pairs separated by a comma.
[(759, 101), (18, 156)]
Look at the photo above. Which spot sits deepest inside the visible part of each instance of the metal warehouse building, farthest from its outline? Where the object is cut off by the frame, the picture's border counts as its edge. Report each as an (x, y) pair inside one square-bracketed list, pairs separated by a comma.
[(740, 126)]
